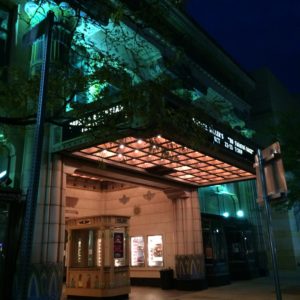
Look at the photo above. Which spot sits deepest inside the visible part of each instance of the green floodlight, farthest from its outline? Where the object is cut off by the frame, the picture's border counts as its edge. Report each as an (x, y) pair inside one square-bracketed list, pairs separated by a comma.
[(2, 174), (225, 214), (240, 213), (4, 178)]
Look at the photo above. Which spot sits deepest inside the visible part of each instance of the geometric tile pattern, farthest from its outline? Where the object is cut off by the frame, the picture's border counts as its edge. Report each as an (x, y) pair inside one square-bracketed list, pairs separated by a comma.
[(161, 156)]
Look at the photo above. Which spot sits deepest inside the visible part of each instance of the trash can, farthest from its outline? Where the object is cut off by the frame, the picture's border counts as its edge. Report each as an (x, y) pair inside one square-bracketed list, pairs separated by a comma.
[(166, 279)]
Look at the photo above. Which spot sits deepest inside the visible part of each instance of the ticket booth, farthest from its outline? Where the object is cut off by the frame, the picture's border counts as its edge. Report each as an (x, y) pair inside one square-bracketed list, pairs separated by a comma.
[(98, 256)]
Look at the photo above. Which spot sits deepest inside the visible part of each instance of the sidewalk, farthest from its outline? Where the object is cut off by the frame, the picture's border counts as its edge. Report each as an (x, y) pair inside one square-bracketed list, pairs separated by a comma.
[(256, 289)]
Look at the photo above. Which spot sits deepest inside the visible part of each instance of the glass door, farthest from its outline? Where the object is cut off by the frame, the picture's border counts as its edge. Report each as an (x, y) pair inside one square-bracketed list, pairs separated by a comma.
[(4, 209), (215, 250)]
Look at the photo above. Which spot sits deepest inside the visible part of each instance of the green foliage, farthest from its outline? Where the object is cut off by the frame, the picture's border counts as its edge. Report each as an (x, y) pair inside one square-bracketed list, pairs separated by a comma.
[(82, 84), (16, 93)]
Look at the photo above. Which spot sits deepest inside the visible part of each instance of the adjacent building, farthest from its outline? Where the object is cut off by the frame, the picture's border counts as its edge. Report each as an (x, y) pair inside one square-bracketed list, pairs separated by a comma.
[(274, 117)]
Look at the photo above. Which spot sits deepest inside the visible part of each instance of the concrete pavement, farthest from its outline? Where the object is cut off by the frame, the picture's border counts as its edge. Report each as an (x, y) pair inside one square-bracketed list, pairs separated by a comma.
[(256, 289)]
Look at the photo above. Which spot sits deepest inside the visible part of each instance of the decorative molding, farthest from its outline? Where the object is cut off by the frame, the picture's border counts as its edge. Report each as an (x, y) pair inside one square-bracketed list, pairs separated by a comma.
[(71, 211), (45, 281), (174, 194), (99, 184), (149, 196), (71, 201), (124, 199), (137, 210)]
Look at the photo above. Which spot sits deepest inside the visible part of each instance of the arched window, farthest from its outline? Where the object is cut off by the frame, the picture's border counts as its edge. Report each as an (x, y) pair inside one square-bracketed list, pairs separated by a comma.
[(5, 20)]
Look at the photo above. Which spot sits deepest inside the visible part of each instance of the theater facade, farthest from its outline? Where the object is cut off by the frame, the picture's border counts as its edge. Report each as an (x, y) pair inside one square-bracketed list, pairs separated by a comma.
[(153, 132)]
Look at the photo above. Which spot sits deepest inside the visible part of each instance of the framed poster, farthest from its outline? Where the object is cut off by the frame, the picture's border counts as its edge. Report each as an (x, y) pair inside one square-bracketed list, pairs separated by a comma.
[(155, 251), (137, 251), (118, 244)]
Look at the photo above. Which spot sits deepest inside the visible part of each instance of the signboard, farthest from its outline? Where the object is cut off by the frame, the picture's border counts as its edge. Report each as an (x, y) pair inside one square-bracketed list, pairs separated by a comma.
[(226, 141), (273, 168), (90, 122)]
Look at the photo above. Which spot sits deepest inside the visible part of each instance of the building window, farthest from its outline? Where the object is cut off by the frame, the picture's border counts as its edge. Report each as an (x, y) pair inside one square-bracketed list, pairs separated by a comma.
[(236, 199), (4, 36)]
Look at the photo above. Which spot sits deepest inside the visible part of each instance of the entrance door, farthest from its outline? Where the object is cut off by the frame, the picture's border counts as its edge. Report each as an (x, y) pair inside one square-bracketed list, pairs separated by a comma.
[(241, 252), (215, 250), (10, 221), (229, 249)]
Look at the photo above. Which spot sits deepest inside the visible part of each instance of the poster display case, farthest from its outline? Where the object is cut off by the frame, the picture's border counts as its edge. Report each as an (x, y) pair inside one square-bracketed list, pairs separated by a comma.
[(137, 251), (155, 251), (97, 256), (149, 249)]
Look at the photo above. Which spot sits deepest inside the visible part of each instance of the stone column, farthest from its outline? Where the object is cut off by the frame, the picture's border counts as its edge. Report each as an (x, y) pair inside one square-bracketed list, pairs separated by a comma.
[(187, 222), (189, 259), (46, 274)]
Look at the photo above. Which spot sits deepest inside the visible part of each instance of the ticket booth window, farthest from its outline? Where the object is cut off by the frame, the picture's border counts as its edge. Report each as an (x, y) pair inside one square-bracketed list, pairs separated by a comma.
[(97, 258), (98, 250), (79, 259)]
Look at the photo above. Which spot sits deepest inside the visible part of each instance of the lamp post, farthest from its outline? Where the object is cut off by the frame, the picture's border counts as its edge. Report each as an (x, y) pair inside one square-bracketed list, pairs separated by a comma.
[(43, 28)]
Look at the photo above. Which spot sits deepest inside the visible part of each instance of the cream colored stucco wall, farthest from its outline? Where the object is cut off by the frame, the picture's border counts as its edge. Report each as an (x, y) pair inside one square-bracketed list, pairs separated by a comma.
[(152, 212)]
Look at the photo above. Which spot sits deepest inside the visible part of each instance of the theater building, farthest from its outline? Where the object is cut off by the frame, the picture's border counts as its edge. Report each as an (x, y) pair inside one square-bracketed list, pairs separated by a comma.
[(173, 153)]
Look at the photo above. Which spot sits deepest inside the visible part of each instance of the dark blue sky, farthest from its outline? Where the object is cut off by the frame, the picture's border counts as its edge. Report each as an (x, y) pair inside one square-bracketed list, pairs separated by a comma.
[(256, 33)]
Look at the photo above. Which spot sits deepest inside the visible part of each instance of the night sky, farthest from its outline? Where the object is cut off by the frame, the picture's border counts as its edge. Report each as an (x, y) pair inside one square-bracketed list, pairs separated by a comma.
[(256, 33)]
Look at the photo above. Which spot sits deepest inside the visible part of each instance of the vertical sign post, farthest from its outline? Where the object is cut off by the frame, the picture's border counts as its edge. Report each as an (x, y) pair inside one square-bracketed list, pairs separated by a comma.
[(269, 225), (271, 186), (43, 28)]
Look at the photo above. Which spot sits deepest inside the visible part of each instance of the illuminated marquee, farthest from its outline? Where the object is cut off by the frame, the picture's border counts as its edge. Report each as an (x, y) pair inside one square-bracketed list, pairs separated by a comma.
[(219, 138), (226, 141)]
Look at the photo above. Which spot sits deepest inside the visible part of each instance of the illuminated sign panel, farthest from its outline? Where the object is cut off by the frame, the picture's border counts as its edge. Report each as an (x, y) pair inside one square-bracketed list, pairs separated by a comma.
[(227, 142), (76, 127)]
